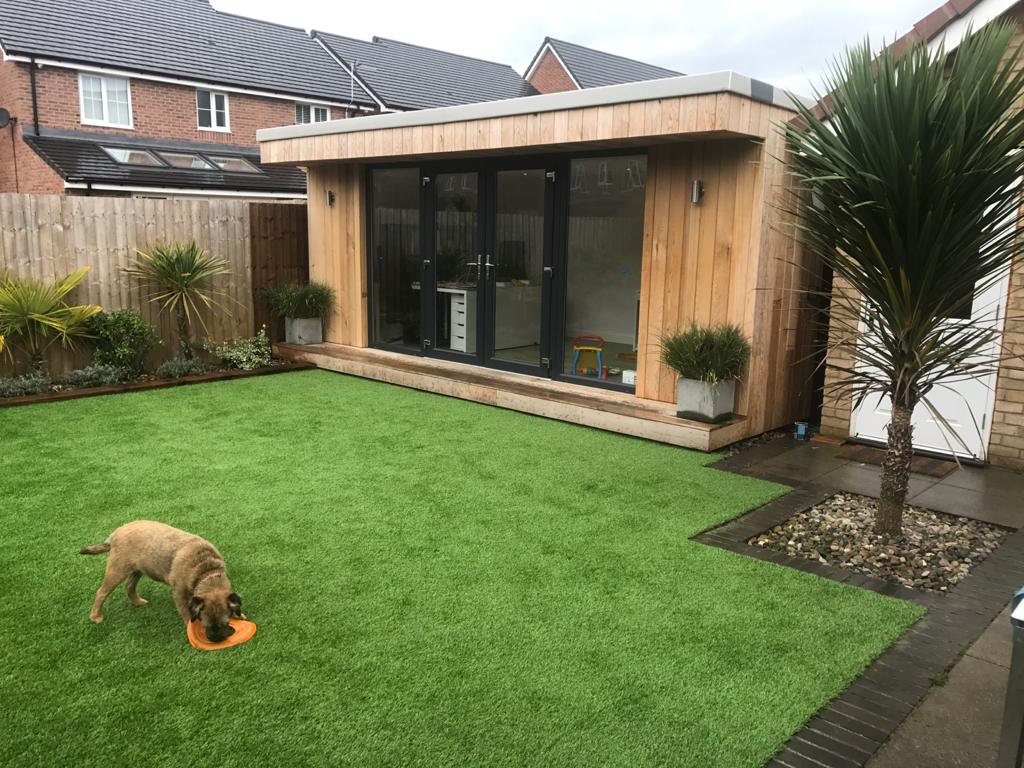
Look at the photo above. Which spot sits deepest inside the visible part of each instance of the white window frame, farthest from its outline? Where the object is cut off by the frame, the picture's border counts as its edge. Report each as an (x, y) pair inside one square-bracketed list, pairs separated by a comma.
[(213, 111), (311, 108), (103, 97)]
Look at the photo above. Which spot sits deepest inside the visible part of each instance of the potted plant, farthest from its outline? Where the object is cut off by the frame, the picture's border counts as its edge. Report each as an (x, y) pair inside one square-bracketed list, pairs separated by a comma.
[(709, 361), (303, 307)]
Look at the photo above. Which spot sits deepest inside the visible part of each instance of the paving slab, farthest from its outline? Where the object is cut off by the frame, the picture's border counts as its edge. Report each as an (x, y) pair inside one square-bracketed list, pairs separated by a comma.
[(957, 724)]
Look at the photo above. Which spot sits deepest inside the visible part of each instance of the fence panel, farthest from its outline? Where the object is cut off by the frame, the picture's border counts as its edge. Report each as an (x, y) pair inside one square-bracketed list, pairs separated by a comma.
[(48, 236)]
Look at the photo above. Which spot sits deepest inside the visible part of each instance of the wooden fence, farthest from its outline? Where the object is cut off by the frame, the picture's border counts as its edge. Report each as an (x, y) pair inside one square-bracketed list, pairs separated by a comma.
[(48, 236)]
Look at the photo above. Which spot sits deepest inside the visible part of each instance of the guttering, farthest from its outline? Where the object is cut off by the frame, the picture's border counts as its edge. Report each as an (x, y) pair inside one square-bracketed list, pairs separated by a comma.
[(669, 87), (79, 67), (35, 100), (183, 191)]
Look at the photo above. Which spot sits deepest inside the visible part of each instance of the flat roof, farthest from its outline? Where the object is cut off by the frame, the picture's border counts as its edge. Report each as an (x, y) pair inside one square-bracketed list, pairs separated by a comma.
[(669, 87)]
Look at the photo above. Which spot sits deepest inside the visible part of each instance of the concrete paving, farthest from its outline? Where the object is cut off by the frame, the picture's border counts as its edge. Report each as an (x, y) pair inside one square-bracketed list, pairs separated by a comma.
[(984, 493), (957, 724)]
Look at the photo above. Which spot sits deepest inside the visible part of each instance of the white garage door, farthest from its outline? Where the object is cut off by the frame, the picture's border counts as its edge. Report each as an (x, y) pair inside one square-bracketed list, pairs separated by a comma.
[(965, 404)]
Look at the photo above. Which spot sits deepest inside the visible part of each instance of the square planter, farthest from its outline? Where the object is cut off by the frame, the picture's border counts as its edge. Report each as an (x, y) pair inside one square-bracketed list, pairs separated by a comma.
[(703, 401), (303, 330)]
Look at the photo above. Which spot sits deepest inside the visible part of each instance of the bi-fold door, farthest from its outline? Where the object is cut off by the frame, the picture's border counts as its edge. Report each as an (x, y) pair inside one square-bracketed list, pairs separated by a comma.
[(488, 274)]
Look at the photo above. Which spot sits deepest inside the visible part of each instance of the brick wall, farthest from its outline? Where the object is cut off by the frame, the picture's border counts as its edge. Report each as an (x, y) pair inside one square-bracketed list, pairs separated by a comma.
[(161, 110), (21, 169), (1006, 444), (550, 76)]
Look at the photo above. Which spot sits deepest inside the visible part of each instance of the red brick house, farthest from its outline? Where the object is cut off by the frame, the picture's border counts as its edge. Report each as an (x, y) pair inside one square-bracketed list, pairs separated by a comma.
[(123, 97), (562, 66)]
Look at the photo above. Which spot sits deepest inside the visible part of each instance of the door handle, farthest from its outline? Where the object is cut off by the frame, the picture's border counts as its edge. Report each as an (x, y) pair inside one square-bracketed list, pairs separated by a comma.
[(426, 264), (549, 271), (488, 264)]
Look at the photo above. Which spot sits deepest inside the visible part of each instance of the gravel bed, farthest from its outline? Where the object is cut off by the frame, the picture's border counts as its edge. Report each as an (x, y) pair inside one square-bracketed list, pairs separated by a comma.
[(750, 442), (935, 551)]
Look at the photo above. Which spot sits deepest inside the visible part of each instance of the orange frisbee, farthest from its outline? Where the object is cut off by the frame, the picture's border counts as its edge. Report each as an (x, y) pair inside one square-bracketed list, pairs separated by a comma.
[(244, 630)]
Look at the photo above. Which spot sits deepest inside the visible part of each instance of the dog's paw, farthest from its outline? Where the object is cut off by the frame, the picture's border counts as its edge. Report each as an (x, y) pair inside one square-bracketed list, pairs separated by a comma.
[(96, 618), (138, 602)]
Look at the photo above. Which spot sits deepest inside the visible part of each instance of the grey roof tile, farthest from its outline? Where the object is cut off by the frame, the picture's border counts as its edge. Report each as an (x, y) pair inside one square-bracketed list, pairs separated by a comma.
[(407, 76), (593, 68)]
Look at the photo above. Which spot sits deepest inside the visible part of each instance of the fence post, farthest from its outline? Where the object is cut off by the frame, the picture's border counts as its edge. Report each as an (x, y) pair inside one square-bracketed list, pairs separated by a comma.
[(1011, 740)]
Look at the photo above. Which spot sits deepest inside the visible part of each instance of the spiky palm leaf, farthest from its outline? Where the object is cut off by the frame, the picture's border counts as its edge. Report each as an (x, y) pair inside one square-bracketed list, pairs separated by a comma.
[(180, 278), (34, 314), (910, 195)]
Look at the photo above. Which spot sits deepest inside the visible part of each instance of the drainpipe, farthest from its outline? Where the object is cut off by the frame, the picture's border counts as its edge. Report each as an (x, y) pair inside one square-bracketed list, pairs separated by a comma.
[(35, 100)]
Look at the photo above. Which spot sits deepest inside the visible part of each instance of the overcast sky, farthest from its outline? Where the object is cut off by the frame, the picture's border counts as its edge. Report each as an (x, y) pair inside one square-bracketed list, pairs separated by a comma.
[(787, 42)]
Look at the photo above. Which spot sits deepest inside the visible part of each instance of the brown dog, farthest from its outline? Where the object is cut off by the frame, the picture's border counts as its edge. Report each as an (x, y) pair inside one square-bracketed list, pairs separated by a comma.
[(191, 566)]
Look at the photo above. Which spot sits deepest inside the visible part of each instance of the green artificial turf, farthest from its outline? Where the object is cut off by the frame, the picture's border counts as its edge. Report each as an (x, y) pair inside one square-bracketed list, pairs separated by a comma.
[(436, 583)]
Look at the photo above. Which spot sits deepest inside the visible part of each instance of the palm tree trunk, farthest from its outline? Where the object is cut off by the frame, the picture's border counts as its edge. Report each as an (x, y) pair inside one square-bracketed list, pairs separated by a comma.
[(183, 340), (895, 472)]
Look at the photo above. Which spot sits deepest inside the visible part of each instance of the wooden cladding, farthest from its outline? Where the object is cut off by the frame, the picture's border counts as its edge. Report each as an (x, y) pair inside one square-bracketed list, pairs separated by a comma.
[(729, 259), (337, 248), (723, 114)]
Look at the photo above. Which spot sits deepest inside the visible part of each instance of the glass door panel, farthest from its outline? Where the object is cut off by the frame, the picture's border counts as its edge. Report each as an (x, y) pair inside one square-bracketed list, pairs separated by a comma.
[(395, 257), (604, 245), (457, 262), (515, 265)]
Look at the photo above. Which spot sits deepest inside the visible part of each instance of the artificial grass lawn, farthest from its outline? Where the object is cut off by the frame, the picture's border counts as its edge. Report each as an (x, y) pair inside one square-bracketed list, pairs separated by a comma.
[(435, 582)]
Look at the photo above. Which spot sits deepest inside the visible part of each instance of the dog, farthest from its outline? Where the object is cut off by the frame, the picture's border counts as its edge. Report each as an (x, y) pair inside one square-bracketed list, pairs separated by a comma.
[(190, 565)]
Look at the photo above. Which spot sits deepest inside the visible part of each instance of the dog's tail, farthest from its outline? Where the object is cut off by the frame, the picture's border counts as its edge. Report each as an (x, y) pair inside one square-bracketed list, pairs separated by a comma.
[(96, 549)]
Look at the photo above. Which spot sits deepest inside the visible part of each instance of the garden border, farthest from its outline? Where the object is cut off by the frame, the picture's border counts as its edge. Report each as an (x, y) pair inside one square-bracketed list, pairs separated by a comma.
[(848, 730), (141, 386)]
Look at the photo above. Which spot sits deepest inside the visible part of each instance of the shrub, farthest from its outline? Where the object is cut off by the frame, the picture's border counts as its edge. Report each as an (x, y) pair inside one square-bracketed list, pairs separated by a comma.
[(710, 354), (180, 366), (34, 314), (122, 339), (180, 278), (301, 300), (95, 376), (30, 384), (246, 354)]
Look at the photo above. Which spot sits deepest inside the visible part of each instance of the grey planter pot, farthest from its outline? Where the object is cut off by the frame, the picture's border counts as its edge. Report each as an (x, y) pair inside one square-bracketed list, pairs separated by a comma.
[(703, 401), (303, 330)]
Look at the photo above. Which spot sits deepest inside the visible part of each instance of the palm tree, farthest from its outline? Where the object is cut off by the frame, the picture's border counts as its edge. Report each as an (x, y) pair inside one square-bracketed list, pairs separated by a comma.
[(179, 276), (34, 315), (908, 192)]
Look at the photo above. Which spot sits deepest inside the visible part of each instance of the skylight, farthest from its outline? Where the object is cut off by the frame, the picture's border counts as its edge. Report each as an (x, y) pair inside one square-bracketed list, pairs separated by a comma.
[(233, 164), (127, 156), (188, 160)]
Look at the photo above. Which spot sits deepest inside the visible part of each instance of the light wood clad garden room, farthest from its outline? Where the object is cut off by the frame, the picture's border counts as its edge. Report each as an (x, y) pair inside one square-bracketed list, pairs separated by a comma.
[(531, 253)]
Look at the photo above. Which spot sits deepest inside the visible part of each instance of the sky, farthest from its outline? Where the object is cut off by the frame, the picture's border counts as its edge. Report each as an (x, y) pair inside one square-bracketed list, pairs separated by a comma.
[(787, 43)]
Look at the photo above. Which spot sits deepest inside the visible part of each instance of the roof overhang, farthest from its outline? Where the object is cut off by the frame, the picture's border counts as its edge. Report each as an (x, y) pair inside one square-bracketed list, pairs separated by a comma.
[(719, 103)]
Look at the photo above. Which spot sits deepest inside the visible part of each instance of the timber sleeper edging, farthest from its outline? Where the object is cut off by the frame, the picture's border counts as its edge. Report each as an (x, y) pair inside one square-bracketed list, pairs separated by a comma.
[(141, 386)]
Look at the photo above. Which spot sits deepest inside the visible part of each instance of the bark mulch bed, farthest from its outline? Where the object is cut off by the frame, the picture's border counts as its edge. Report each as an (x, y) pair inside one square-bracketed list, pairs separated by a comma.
[(151, 383), (935, 551)]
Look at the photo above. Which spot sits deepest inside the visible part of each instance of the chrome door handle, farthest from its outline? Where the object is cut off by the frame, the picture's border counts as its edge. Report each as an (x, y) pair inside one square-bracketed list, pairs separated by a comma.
[(426, 264), (488, 264), (549, 271)]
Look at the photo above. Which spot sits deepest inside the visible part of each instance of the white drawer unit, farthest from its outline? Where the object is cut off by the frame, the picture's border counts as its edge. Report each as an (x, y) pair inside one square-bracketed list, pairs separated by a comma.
[(462, 319)]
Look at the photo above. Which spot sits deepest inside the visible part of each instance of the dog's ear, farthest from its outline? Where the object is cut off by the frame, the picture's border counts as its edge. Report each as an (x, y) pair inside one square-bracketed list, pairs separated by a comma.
[(195, 605), (235, 605)]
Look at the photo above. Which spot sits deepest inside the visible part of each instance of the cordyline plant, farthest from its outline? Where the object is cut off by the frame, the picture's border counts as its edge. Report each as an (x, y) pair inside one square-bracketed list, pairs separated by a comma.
[(34, 315), (910, 195), (179, 277)]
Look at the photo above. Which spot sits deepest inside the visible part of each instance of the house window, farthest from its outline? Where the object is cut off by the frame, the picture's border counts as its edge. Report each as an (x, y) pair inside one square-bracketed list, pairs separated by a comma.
[(105, 101), (309, 113), (188, 160), (212, 110), (129, 156), (233, 164)]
